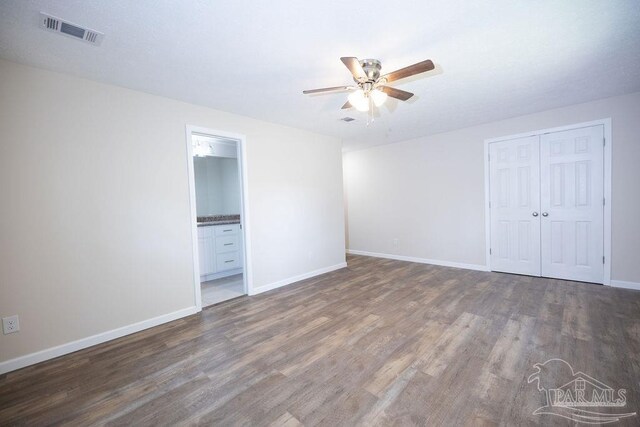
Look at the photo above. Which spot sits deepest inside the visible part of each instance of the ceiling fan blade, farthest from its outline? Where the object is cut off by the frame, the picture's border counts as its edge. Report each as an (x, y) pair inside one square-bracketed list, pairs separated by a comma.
[(346, 105), (411, 70), (327, 89), (354, 66), (396, 93)]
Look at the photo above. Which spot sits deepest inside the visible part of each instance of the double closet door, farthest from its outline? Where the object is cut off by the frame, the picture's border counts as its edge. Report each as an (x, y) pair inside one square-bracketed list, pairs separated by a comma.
[(547, 205)]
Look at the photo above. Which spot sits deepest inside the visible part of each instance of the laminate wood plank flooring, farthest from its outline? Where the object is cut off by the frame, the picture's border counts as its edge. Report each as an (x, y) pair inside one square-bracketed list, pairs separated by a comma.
[(381, 342)]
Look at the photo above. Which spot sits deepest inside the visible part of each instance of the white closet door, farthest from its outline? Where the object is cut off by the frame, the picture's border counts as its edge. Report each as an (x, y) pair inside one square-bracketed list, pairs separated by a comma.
[(572, 212), (514, 168)]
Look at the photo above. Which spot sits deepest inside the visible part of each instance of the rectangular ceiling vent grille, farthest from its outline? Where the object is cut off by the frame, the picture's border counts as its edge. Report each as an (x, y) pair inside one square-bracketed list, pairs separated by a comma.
[(51, 23), (57, 25)]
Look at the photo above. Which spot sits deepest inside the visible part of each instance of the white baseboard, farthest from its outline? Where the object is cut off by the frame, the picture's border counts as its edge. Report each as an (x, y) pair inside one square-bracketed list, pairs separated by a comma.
[(421, 260), (222, 274), (60, 350), (614, 283), (626, 285), (294, 279)]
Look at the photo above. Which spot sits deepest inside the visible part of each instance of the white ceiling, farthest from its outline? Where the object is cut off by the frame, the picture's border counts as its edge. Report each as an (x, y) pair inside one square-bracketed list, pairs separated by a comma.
[(495, 59)]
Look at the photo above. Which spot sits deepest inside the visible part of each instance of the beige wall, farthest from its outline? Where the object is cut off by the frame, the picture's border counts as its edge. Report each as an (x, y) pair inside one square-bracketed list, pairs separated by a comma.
[(95, 221), (429, 192)]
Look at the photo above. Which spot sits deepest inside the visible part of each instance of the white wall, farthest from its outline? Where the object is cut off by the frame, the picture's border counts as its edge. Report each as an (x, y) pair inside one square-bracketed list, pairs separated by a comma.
[(217, 185), (429, 192), (95, 229)]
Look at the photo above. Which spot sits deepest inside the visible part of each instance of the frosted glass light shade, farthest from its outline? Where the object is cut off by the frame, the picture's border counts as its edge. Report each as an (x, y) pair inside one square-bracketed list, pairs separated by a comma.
[(378, 96), (359, 100)]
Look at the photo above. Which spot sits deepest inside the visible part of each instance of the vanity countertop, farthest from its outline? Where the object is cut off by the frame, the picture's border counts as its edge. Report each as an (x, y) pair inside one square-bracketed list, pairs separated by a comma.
[(205, 221)]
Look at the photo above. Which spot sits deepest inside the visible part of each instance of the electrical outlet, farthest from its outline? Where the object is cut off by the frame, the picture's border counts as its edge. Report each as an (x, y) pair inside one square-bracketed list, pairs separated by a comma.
[(395, 242), (10, 324)]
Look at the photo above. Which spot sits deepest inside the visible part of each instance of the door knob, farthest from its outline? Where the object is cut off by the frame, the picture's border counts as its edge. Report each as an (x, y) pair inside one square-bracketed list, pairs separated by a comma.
[(535, 214), (545, 214)]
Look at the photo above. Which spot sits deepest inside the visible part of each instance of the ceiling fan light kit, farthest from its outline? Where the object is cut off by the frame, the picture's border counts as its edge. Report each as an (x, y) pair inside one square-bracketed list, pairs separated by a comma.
[(359, 100), (371, 87), (378, 97)]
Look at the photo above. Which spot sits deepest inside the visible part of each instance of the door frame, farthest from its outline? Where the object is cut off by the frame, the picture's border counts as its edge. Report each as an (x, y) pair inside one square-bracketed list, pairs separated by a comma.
[(241, 148), (606, 123)]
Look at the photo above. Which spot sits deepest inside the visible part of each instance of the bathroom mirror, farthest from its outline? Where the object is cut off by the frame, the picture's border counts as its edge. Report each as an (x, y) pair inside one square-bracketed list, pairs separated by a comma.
[(217, 186)]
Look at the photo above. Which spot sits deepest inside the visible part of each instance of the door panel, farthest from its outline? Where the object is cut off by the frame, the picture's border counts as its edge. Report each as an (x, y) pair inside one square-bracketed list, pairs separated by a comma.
[(203, 256), (572, 213), (514, 198), (206, 251)]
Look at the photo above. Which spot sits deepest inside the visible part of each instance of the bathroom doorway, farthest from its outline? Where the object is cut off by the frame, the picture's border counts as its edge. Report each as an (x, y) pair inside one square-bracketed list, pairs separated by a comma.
[(218, 215)]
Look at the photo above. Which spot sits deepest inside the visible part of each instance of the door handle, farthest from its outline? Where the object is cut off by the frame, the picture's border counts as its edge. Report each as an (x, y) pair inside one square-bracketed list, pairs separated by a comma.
[(545, 214), (535, 214)]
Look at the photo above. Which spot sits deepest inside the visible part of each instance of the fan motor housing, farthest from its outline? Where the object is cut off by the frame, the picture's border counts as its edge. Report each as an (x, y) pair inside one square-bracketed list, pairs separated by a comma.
[(371, 68)]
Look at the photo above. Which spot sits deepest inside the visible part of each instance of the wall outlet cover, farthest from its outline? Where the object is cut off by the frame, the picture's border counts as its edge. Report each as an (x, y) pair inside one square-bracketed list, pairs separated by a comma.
[(10, 324)]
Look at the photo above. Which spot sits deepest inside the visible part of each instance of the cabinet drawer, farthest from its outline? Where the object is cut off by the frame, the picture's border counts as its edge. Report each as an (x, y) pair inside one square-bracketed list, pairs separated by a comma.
[(228, 261), (227, 230), (226, 244)]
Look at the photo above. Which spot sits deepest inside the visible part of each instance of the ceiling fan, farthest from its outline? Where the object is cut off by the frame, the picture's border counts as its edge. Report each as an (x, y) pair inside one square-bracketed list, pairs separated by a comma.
[(371, 87)]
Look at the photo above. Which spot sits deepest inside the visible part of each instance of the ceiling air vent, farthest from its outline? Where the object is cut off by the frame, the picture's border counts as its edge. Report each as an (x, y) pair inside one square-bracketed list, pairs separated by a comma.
[(57, 25), (347, 119)]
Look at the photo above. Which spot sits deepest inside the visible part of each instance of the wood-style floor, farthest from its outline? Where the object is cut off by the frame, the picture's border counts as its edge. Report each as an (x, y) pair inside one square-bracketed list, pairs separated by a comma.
[(378, 343)]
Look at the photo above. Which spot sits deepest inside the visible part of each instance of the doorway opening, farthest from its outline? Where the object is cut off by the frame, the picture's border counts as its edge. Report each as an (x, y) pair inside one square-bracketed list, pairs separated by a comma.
[(216, 178)]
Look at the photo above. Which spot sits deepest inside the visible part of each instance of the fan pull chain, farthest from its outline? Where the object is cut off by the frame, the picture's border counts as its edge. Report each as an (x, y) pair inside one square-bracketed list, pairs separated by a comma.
[(370, 117)]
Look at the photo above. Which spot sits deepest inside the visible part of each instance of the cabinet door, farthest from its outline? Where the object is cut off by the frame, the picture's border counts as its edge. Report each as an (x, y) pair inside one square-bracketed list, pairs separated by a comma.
[(209, 244), (240, 248), (202, 255), (206, 252)]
